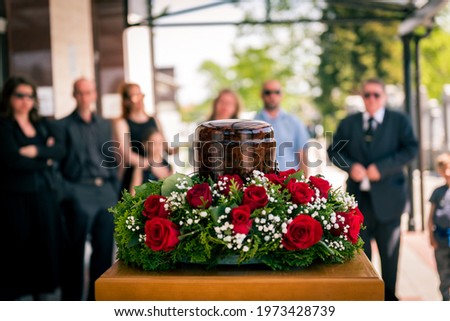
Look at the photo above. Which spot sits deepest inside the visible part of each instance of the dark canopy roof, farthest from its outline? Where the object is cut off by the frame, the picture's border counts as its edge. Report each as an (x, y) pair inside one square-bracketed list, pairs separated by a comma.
[(411, 13)]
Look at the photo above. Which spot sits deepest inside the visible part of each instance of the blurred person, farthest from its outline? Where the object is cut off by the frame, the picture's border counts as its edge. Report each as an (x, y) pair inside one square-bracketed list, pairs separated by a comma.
[(373, 147), (131, 131), (159, 168), (290, 133), (31, 222), (90, 173), (439, 225), (227, 105)]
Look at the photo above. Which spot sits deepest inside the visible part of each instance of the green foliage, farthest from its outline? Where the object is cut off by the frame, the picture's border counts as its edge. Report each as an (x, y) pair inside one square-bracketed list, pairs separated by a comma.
[(171, 183), (351, 54), (251, 68), (347, 52), (435, 51)]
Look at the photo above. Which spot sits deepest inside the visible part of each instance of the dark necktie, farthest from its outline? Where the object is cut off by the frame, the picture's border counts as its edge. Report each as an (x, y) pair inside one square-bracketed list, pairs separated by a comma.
[(368, 135)]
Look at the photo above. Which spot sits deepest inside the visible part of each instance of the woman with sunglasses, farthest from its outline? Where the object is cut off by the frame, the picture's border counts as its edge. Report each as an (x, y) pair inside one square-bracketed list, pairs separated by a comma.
[(30, 223)]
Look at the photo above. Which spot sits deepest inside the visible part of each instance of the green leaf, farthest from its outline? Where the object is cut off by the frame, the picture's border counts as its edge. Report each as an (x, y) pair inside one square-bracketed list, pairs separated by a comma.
[(134, 241), (146, 189), (216, 211), (170, 183), (297, 175)]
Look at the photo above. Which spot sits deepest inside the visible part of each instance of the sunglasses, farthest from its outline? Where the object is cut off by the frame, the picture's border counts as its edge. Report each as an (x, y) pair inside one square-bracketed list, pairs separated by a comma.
[(375, 95), (267, 92), (20, 95)]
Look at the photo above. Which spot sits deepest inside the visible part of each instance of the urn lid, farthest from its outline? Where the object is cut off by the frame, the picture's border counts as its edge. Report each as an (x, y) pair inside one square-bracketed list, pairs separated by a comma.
[(233, 130)]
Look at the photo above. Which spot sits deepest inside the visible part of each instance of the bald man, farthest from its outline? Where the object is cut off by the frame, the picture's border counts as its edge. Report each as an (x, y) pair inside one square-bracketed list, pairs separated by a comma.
[(89, 172)]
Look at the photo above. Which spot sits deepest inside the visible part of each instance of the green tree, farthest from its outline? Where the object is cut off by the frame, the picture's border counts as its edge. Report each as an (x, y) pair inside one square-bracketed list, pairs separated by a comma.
[(251, 67), (435, 51), (351, 53)]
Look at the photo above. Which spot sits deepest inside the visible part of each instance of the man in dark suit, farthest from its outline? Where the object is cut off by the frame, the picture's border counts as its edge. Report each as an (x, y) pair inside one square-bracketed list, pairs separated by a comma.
[(91, 187), (373, 147)]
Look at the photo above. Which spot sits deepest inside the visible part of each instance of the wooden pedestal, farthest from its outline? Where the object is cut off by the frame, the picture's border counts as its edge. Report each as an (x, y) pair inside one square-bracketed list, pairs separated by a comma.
[(354, 280)]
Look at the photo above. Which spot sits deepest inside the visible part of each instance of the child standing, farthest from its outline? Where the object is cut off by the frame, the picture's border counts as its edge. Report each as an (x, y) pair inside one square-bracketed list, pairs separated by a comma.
[(439, 225), (159, 168)]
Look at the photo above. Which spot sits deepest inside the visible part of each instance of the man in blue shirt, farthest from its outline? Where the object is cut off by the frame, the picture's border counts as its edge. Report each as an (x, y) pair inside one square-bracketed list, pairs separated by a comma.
[(290, 133)]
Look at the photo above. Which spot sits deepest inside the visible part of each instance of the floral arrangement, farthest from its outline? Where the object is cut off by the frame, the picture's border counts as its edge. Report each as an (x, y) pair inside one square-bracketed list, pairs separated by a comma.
[(281, 220)]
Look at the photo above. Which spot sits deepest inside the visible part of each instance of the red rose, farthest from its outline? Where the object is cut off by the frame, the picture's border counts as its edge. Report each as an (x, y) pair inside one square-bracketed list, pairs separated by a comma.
[(281, 177), (240, 218), (321, 184), (351, 224), (301, 193), (302, 233), (286, 173), (274, 178), (154, 207), (255, 197), (199, 196), (227, 180), (161, 234)]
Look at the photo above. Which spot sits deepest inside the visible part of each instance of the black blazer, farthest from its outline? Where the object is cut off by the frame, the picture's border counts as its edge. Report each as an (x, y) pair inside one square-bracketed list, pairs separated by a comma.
[(23, 174), (393, 146), (75, 158)]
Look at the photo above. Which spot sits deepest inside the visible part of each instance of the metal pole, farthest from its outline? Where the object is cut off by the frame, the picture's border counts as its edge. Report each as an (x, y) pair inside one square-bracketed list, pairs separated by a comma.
[(125, 14), (445, 106), (409, 110), (419, 128), (152, 53)]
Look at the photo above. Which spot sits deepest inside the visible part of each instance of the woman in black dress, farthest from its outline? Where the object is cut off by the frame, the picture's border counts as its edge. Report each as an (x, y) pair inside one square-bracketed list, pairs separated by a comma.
[(131, 132), (28, 205)]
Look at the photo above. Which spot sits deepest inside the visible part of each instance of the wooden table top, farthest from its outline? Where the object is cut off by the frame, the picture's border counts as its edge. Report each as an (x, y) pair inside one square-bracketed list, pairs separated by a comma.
[(354, 280)]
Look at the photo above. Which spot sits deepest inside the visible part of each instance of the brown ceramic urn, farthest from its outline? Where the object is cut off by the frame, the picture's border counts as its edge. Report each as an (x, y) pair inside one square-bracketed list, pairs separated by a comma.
[(234, 146)]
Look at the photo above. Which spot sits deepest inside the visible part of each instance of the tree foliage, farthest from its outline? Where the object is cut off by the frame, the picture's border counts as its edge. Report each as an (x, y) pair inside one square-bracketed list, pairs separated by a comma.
[(352, 53), (435, 51), (324, 64), (251, 67)]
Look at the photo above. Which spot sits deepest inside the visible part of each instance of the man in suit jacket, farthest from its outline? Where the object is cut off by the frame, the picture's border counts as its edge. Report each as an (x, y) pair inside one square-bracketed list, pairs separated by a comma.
[(373, 147), (91, 187)]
